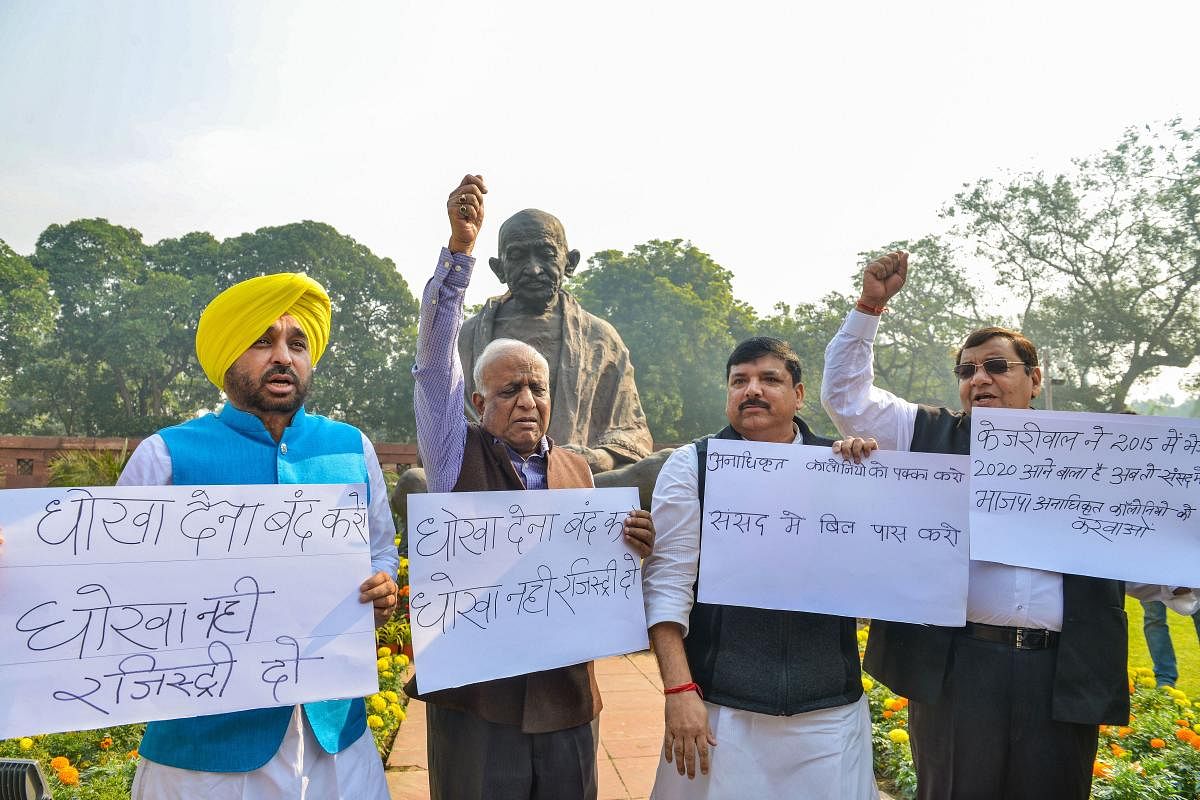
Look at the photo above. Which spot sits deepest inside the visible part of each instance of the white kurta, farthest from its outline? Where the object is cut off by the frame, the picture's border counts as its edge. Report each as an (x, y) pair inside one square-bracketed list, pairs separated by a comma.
[(300, 769), (810, 756)]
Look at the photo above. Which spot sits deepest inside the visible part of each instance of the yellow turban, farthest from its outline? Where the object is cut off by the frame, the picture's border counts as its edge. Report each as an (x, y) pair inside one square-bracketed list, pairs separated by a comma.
[(240, 314)]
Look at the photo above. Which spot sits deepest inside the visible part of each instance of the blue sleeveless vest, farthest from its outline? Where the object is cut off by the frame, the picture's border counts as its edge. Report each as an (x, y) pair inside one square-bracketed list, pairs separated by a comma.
[(234, 447)]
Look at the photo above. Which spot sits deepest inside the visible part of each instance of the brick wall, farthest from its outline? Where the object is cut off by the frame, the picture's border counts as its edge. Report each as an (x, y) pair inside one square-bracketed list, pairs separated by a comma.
[(23, 459)]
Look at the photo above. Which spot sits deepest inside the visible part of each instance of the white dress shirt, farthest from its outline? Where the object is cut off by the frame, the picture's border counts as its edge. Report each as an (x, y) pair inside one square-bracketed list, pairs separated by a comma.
[(822, 755), (997, 594)]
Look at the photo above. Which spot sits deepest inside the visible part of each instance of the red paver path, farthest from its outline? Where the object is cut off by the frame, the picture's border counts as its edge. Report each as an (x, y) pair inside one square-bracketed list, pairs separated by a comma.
[(631, 730), (631, 727)]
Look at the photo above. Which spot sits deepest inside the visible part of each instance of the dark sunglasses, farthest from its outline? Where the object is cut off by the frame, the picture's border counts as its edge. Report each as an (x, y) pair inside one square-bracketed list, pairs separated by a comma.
[(994, 366)]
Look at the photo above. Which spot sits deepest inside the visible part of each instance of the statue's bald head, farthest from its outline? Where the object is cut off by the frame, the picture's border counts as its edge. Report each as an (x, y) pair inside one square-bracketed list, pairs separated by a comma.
[(533, 259), (533, 221)]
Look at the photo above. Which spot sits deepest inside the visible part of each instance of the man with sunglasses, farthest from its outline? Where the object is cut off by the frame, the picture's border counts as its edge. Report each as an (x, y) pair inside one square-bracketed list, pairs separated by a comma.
[(1008, 705)]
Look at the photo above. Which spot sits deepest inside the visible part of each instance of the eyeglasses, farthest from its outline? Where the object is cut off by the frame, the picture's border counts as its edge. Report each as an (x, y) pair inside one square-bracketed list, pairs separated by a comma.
[(994, 366)]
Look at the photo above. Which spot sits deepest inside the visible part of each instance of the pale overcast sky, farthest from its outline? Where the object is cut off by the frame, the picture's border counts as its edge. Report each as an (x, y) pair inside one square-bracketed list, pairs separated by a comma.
[(782, 138)]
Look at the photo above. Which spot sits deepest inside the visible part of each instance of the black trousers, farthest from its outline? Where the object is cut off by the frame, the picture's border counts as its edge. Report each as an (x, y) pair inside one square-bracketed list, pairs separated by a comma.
[(472, 759), (990, 736)]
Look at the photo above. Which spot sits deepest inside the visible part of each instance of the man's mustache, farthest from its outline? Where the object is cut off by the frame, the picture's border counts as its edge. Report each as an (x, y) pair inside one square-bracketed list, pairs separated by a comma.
[(753, 404), (279, 369)]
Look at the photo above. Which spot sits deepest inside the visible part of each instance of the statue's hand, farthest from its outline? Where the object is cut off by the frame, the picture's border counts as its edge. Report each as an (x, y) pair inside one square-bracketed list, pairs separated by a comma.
[(598, 460), (464, 207), (883, 277)]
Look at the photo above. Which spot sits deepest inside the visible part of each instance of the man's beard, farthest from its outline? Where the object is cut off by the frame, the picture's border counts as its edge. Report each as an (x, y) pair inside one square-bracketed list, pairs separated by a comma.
[(247, 393)]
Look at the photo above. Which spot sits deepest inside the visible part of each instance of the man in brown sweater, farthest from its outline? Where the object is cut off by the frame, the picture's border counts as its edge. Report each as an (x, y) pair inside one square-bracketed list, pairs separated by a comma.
[(527, 737)]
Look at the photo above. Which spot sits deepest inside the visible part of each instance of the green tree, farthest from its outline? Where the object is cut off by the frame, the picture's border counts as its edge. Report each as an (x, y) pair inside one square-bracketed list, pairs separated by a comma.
[(674, 307), (925, 323), (1105, 257), (121, 358), (116, 348), (27, 312)]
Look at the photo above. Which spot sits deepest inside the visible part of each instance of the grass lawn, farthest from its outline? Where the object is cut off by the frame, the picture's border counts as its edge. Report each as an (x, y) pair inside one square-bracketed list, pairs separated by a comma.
[(1183, 636)]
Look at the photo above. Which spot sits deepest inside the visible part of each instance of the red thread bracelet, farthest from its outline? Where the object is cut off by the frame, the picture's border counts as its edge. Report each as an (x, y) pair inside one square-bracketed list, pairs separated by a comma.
[(685, 687), (869, 309)]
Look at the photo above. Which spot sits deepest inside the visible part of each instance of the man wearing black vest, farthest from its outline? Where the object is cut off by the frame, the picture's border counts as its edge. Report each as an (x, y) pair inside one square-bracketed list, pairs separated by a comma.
[(1007, 706), (777, 695), (529, 737)]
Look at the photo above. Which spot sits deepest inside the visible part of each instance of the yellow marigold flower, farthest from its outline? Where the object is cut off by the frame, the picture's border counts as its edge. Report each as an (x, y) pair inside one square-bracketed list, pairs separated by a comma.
[(403, 562), (69, 776), (396, 711), (387, 676), (59, 762), (401, 661), (384, 663), (374, 722), (868, 684), (898, 735), (397, 540), (383, 652), (26, 743), (1182, 703), (1147, 683), (1144, 671), (377, 703), (391, 696)]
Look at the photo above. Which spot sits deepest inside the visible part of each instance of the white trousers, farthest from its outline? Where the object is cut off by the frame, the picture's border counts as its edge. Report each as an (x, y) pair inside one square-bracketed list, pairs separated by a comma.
[(819, 755), (300, 770)]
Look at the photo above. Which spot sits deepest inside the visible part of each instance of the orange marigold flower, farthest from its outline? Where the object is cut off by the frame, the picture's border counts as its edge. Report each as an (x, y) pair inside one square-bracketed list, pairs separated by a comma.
[(132, 753), (1117, 750), (1157, 744), (59, 762), (69, 776), (1184, 734), (902, 702), (1195, 742), (1100, 770), (887, 714), (1183, 722), (1124, 731), (1103, 729), (106, 743)]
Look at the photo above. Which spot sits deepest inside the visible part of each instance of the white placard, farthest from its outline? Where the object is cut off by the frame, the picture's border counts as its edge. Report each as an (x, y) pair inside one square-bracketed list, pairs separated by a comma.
[(507, 583), (130, 604), (796, 528), (1108, 495)]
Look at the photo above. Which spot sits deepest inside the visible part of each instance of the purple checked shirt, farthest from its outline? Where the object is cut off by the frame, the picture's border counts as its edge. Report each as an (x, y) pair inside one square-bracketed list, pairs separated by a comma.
[(438, 396)]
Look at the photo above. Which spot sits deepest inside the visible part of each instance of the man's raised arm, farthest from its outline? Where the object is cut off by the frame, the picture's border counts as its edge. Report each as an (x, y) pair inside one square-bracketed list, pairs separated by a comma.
[(438, 395), (856, 406)]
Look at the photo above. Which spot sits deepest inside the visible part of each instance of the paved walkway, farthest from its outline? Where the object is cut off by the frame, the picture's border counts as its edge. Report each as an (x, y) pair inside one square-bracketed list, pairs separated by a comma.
[(631, 728), (631, 731)]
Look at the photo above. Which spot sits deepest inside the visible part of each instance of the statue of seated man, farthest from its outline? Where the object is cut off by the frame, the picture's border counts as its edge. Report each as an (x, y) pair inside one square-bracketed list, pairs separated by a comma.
[(596, 408), (597, 412)]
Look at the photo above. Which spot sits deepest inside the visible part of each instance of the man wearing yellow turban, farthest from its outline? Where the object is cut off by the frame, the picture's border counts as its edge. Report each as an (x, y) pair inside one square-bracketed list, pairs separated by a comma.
[(258, 341)]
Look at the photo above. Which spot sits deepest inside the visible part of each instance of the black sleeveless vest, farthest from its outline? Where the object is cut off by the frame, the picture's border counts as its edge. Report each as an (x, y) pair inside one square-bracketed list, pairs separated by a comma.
[(1090, 680), (767, 661)]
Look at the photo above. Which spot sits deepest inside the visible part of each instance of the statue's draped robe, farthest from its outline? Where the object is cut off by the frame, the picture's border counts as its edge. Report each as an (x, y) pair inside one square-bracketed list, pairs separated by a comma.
[(594, 402)]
